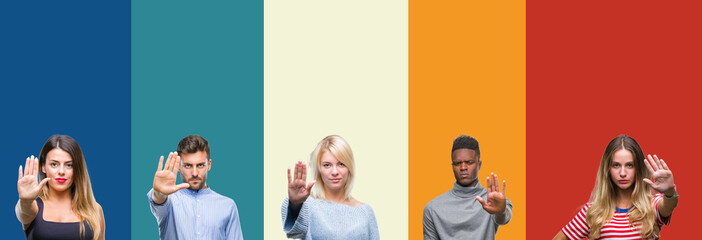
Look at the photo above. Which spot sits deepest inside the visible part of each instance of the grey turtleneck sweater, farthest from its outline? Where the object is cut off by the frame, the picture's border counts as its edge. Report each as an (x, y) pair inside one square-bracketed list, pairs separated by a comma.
[(457, 215)]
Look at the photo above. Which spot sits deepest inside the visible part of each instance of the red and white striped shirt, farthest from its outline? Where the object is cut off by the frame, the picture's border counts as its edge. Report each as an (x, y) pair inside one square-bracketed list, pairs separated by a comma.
[(617, 228)]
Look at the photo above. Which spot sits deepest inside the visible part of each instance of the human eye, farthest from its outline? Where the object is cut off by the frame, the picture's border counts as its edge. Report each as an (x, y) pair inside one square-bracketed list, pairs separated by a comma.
[(326, 165), (630, 165), (341, 164), (200, 165), (69, 165), (615, 165), (187, 166), (53, 164)]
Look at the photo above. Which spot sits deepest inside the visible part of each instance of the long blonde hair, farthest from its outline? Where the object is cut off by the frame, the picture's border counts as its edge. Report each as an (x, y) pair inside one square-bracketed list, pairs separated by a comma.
[(340, 149), (604, 194), (82, 199)]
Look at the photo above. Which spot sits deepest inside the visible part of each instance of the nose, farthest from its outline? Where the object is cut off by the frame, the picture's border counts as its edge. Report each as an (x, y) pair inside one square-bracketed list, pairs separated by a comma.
[(61, 170), (334, 171), (622, 172), (464, 165)]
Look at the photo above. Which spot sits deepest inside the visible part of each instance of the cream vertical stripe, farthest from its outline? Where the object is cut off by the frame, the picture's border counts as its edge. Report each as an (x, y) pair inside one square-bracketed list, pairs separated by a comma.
[(338, 67)]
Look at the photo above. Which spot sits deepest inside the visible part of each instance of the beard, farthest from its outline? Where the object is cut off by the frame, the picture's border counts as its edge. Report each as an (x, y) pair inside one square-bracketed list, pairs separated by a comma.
[(193, 187)]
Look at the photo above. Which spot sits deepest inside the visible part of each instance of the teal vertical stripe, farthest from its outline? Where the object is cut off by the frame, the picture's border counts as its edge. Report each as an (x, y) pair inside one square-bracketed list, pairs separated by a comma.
[(197, 68)]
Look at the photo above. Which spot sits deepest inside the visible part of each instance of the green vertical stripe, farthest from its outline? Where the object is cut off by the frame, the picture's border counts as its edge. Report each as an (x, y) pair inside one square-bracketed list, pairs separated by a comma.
[(197, 68)]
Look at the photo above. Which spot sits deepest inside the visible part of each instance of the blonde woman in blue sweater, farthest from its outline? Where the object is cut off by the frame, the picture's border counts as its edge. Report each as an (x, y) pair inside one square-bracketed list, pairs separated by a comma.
[(324, 208)]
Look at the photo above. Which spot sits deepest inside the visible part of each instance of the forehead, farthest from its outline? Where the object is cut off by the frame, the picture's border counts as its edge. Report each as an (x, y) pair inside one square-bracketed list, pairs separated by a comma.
[(58, 154), (194, 158), (463, 154), (622, 155), (328, 157)]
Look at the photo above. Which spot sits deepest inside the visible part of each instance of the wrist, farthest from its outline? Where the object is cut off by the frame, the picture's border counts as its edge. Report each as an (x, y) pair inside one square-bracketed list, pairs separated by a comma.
[(670, 193)]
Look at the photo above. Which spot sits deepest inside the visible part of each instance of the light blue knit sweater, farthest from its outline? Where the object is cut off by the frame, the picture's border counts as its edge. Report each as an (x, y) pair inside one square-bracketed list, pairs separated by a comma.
[(319, 219)]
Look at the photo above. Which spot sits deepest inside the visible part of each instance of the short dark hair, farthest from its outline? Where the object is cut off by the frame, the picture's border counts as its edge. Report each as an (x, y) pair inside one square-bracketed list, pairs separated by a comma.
[(193, 144), (465, 141)]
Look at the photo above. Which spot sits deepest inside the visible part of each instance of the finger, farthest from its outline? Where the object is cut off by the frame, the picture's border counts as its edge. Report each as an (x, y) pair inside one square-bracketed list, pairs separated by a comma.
[(289, 177), (488, 184), (504, 187), (665, 166), (658, 162), (496, 184), (653, 163), (20, 173), (182, 186), (646, 180), (480, 199), (35, 166), (648, 165), (298, 170), (168, 162), (173, 162), (309, 186), (304, 173), (176, 166), (26, 167), (160, 164)]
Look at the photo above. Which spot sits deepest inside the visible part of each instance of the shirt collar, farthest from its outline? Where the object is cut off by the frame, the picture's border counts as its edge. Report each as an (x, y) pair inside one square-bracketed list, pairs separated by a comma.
[(467, 192)]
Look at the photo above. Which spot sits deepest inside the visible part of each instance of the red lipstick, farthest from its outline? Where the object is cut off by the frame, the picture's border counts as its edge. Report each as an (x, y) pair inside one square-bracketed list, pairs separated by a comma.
[(61, 180)]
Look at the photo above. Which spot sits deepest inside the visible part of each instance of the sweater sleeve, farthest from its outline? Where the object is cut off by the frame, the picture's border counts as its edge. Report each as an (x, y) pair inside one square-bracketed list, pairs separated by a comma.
[(428, 222), (296, 226), (373, 224), (508, 214)]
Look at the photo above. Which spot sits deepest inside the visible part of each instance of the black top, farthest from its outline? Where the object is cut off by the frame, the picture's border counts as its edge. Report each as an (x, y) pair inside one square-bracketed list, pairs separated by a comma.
[(41, 229)]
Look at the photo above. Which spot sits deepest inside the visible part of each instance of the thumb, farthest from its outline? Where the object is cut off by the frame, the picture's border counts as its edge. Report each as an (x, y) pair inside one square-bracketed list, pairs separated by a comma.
[(43, 181), (309, 185), (646, 180), (480, 199), (182, 186)]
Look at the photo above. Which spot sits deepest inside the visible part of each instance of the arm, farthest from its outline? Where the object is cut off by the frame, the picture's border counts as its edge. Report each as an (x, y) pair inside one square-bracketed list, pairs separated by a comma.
[(560, 236), (428, 222), (234, 226), (374, 234), (28, 190), (496, 203), (663, 183), (294, 210)]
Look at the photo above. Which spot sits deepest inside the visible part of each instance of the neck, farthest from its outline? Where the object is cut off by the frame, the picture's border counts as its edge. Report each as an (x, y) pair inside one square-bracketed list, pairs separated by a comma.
[(58, 196), (334, 195), (623, 198)]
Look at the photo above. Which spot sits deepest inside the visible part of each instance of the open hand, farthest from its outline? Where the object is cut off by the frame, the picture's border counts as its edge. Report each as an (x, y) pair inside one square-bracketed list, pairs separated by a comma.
[(298, 188), (165, 179), (496, 200), (27, 185), (660, 174)]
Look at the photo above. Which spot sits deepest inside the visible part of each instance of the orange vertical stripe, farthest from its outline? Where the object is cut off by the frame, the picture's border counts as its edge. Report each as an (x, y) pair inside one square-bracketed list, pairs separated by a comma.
[(466, 75)]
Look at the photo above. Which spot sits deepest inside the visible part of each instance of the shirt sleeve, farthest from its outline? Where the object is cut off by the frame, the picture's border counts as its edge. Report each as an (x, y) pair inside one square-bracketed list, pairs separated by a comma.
[(577, 228), (373, 225), (160, 211), (428, 222), (660, 220), (296, 226), (234, 226), (508, 213)]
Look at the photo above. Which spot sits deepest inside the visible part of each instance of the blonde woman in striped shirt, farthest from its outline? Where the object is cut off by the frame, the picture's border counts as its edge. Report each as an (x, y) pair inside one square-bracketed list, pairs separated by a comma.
[(622, 205)]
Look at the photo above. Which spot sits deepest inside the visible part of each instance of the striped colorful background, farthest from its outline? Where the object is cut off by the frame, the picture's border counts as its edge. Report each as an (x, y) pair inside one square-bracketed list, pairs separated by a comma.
[(543, 86)]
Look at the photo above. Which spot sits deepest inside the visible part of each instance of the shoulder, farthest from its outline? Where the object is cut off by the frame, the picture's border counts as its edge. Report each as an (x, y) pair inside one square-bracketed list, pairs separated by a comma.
[(221, 199), (437, 201)]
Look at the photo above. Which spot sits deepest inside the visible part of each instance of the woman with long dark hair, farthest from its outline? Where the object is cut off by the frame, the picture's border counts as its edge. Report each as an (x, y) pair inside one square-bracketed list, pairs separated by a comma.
[(622, 205), (61, 204)]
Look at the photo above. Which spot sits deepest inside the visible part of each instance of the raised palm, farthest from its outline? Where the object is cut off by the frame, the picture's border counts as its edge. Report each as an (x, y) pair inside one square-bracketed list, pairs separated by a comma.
[(496, 200), (660, 173), (298, 188), (165, 179), (27, 185)]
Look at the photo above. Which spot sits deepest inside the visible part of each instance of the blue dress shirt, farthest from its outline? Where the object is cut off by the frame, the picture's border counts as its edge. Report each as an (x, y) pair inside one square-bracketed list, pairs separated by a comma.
[(202, 214)]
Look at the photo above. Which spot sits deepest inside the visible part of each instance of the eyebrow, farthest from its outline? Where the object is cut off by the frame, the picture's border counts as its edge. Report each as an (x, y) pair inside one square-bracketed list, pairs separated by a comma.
[(54, 160)]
